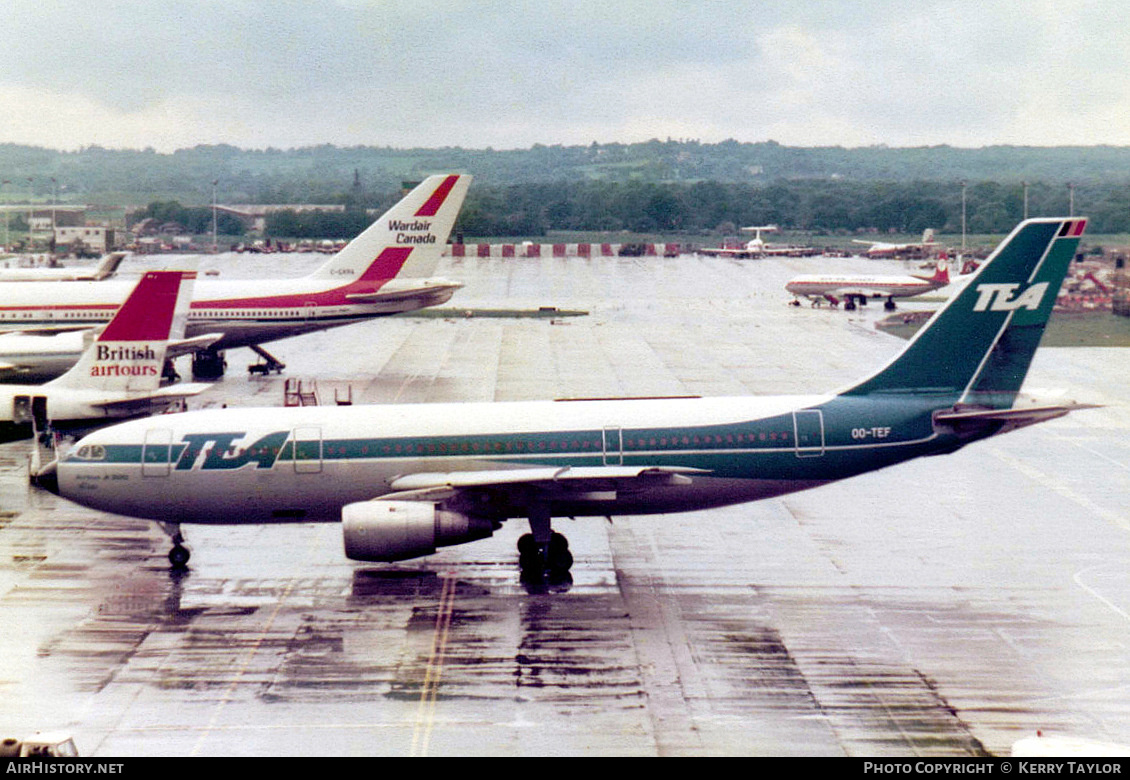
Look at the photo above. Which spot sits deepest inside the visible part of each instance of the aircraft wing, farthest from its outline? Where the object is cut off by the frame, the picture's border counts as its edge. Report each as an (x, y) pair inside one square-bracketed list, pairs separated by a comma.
[(161, 394), (550, 481)]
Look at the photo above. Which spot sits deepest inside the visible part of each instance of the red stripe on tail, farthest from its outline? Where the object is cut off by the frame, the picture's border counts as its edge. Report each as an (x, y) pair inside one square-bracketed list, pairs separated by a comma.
[(386, 265), (433, 203), (147, 314)]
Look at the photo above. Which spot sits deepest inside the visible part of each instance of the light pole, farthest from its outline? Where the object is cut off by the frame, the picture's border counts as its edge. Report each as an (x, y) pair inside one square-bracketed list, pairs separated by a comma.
[(214, 247), (30, 191), (963, 216), (1025, 199), (6, 238), (54, 202), (1070, 199)]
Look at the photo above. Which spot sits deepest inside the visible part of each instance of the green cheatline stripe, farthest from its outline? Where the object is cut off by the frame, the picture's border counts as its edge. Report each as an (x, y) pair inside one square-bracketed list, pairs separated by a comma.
[(770, 433)]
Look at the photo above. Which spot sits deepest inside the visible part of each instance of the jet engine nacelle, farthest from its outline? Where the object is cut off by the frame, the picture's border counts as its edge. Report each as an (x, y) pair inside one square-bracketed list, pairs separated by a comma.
[(398, 530)]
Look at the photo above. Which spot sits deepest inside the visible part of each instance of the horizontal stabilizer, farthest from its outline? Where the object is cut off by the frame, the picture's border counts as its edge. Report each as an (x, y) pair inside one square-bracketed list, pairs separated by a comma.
[(164, 394), (1016, 418), (190, 346), (415, 288)]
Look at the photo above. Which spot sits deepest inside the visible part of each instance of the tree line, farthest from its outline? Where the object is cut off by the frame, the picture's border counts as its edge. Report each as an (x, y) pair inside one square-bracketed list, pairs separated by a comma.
[(706, 207), (834, 206)]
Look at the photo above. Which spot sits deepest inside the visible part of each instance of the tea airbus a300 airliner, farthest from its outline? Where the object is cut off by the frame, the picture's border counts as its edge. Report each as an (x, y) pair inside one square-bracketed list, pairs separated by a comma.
[(382, 271), (406, 479)]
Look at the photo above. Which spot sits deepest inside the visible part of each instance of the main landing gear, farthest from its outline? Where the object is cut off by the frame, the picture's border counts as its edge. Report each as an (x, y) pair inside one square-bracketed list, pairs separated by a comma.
[(543, 554), (211, 364), (208, 364), (890, 304)]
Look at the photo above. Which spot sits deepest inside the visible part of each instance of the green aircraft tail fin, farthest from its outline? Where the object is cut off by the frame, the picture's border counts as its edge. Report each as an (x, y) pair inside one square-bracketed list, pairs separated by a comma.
[(978, 347)]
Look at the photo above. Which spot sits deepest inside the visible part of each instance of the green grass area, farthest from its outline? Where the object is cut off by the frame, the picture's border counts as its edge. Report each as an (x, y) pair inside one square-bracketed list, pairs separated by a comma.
[(1065, 329), (1087, 329)]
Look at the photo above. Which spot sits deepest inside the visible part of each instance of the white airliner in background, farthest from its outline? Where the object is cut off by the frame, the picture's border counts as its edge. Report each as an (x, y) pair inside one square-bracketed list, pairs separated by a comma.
[(880, 248), (106, 268), (37, 357), (755, 247), (834, 288), (30, 358), (406, 479), (118, 375), (383, 271)]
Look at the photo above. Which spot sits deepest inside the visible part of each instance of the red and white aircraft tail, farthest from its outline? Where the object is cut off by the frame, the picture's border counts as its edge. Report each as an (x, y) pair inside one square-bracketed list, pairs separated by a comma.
[(407, 240), (941, 275), (128, 356), (119, 373)]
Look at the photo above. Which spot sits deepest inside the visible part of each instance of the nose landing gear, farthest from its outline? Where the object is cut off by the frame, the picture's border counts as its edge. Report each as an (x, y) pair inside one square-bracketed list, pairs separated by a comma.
[(179, 554)]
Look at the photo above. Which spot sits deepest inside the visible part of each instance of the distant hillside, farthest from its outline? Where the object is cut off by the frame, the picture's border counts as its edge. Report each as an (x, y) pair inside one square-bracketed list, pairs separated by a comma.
[(658, 185), (314, 173)]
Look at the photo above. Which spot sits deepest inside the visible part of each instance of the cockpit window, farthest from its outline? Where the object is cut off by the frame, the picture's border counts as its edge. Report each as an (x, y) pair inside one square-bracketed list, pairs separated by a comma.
[(90, 452)]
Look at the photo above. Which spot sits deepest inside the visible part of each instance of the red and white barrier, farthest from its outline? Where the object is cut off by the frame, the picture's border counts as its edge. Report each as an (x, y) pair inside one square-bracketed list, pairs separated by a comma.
[(563, 250)]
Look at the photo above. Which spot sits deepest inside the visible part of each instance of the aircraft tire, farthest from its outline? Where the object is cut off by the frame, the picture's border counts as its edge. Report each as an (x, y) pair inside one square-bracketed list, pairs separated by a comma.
[(178, 557), (529, 556), (556, 557)]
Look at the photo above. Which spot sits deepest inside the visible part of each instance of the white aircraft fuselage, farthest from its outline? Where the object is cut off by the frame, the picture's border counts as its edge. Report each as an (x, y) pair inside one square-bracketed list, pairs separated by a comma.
[(326, 456), (245, 311), (31, 358), (876, 286)]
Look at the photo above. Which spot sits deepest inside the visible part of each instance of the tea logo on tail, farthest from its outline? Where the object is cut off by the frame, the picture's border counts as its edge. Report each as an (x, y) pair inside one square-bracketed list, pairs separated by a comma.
[(998, 297)]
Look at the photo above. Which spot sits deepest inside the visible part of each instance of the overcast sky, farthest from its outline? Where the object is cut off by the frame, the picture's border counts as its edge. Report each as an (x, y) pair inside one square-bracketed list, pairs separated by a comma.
[(479, 73)]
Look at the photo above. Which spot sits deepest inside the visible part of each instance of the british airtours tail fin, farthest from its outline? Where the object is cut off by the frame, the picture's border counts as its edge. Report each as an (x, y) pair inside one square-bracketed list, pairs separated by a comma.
[(978, 347), (129, 354)]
